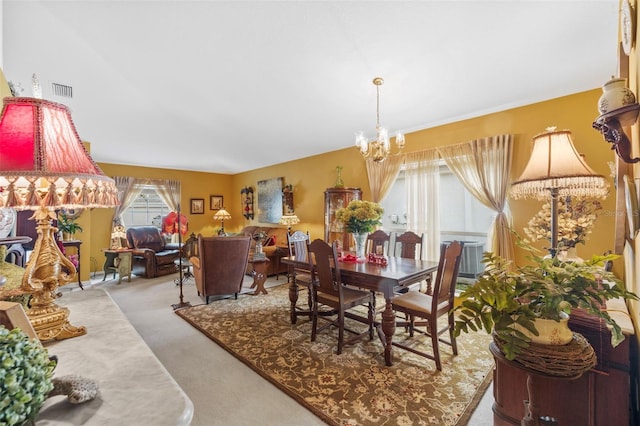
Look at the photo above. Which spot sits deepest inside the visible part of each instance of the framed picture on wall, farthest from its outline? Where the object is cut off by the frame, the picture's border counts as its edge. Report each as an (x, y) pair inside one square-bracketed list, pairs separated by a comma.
[(197, 205), (216, 202)]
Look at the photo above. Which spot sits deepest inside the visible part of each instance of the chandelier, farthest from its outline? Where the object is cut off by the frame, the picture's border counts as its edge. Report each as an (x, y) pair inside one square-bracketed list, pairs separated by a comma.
[(379, 148)]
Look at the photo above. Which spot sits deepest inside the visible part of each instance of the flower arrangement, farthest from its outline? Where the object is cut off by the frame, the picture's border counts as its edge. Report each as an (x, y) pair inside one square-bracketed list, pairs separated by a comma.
[(360, 216), (576, 217)]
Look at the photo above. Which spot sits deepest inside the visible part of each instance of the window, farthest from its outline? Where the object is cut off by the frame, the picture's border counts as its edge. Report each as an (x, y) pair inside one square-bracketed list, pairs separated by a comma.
[(147, 209), (462, 217)]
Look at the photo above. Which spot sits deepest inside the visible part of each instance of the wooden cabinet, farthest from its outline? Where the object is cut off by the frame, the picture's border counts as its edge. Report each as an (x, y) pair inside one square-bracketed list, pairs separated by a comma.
[(334, 199), (602, 396)]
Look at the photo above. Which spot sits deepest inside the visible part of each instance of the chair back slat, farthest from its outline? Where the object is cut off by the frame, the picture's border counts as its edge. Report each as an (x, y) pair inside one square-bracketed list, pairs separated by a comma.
[(410, 245), (378, 242), (447, 275), (321, 263), (298, 241)]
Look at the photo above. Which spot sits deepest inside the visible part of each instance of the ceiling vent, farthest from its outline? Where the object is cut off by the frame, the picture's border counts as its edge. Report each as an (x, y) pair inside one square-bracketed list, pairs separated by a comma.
[(62, 90)]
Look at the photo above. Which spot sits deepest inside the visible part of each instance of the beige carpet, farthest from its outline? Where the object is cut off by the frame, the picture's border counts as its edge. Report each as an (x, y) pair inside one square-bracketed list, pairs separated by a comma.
[(355, 387)]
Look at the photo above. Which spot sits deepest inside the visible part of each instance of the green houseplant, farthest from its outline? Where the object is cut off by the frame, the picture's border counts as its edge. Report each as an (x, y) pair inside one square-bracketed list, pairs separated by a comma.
[(25, 377), (507, 301), (67, 224)]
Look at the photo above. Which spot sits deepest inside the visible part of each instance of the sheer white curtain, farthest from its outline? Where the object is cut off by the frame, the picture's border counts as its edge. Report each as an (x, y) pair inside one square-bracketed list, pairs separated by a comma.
[(422, 181), (483, 166), (383, 175), (127, 193), (169, 192)]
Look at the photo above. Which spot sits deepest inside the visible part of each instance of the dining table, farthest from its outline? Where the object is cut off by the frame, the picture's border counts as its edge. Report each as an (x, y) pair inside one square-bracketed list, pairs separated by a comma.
[(397, 273)]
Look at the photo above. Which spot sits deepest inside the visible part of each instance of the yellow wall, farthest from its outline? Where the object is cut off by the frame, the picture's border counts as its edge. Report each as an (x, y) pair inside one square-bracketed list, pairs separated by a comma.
[(311, 176), (194, 185), (629, 68)]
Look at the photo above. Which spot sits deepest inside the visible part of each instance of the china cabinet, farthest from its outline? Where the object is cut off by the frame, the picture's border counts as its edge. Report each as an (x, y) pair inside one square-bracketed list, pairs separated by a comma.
[(335, 199)]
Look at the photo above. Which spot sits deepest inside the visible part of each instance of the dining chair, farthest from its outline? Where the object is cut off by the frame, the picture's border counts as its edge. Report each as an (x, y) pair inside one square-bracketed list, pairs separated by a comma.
[(409, 245), (431, 307), (329, 290), (378, 243), (298, 242)]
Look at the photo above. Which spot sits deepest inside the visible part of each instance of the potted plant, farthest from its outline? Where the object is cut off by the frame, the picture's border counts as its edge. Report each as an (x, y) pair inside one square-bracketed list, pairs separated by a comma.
[(510, 302), (25, 377), (67, 225)]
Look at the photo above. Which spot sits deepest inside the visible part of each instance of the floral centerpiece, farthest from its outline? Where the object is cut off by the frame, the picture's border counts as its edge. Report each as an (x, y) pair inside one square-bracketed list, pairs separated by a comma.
[(576, 217), (360, 217)]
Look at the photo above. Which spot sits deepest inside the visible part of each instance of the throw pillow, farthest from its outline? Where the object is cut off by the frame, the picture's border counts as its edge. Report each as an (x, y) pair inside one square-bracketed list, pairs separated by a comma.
[(271, 241)]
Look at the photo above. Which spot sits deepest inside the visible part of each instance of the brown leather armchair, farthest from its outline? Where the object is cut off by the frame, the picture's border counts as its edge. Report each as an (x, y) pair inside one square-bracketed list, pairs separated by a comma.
[(151, 256), (220, 265)]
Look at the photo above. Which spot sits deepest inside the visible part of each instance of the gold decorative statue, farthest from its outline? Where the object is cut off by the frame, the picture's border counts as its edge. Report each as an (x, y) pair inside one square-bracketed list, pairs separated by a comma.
[(50, 270)]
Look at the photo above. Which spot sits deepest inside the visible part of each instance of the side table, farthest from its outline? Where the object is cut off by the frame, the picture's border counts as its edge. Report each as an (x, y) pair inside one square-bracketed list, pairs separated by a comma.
[(117, 261), (259, 274), (76, 244)]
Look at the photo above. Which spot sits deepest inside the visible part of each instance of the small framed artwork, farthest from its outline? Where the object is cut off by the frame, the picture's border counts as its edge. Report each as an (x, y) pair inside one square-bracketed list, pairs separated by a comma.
[(215, 202), (197, 205)]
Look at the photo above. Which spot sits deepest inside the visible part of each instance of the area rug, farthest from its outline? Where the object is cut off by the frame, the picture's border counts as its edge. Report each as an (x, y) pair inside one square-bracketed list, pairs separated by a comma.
[(355, 388)]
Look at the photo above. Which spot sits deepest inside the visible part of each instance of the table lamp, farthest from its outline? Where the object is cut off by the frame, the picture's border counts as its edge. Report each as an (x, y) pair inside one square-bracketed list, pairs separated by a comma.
[(289, 220), (45, 167), (117, 235), (555, 169), (221, 215)]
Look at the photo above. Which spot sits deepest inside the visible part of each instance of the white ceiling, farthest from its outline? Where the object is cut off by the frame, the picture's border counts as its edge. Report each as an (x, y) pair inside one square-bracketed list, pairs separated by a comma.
[(231, 86)]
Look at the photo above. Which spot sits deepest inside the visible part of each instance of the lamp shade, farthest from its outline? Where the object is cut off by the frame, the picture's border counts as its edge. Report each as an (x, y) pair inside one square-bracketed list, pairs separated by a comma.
[(174, 222), (555, 164), (43, 162), (222, 214), (289, 219)]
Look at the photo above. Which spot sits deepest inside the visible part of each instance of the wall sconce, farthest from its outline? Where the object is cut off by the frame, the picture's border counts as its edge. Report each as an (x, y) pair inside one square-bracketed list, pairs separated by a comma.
[(618, 108), (246, 194)]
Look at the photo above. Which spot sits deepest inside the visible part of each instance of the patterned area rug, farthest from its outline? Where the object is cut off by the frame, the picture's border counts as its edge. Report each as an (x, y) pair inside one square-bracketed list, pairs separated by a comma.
[(354, 388)]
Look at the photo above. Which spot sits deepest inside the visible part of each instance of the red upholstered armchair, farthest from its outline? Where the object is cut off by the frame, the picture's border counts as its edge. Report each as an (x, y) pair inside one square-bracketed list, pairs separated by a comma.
[(152, 257)]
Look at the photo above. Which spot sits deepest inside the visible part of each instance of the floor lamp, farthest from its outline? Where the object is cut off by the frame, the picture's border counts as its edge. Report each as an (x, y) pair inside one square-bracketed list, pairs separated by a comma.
[(44, 166), (555, 169), (173, 223)]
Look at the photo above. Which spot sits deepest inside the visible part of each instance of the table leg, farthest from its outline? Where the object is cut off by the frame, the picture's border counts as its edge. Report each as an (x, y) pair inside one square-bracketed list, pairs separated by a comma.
[(258, 281), (108, 262), (293, 297), (388, 329)]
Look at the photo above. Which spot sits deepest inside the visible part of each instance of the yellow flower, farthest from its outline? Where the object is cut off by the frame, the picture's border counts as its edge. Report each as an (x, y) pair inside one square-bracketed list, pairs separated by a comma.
[(360, 216)]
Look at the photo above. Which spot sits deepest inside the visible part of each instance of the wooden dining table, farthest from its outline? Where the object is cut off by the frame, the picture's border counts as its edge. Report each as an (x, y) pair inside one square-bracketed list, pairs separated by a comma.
[(399, 272)]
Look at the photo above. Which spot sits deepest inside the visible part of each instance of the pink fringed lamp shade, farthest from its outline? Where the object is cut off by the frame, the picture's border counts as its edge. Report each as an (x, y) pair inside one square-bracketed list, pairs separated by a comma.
[(43, 162), (555, 164)]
